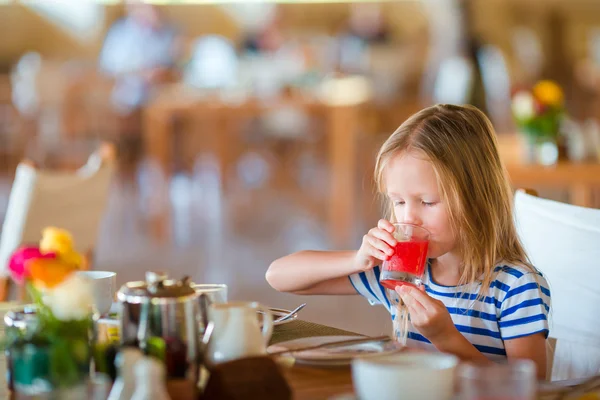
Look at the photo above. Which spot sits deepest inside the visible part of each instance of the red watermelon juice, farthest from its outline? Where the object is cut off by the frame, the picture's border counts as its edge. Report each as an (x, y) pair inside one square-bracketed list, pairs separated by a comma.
[(406, 266)]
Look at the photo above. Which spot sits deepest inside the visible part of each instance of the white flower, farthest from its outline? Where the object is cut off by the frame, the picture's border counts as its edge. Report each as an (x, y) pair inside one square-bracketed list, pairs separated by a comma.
[(71, 300), (523, 105)]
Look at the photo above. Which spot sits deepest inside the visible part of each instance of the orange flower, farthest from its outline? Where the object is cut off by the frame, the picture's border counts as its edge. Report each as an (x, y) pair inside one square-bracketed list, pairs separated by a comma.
[(49, 272)]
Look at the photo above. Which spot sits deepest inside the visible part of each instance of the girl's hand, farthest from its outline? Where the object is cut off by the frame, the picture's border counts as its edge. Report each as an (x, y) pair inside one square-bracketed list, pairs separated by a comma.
[(377, 245), (429, 316)]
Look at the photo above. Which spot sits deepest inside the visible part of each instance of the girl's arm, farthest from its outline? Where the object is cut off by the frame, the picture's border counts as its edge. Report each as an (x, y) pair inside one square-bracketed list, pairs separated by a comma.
[(532, 347), (432, 320), (314, 272), (326, 272), (458, 345)]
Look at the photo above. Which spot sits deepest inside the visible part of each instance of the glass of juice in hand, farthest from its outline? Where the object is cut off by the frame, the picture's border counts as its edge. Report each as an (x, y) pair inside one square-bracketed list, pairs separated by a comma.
[(407, 265)]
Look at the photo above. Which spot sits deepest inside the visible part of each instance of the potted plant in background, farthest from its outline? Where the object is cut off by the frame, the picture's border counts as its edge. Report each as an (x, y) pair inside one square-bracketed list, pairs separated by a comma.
[(53, 353), (539, 113)]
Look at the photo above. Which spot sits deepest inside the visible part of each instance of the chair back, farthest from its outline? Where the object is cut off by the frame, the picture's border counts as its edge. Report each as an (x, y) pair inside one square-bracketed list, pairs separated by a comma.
[(70, 200), (563, 242)]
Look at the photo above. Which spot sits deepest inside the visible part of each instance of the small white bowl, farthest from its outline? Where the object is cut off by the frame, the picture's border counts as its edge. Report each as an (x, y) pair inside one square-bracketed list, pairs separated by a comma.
[(405, 375)]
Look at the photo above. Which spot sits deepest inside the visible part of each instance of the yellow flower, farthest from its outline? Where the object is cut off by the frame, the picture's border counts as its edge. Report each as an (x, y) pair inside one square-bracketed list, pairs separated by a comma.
[(548, 93), (59, 241), (73, 258), (56, 240)]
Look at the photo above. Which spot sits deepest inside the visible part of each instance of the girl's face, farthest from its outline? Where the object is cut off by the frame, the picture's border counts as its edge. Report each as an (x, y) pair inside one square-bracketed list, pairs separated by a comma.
[(412, 188)]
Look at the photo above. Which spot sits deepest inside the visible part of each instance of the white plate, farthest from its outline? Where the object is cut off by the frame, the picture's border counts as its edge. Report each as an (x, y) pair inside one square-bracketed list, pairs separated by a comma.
[(335, 356)]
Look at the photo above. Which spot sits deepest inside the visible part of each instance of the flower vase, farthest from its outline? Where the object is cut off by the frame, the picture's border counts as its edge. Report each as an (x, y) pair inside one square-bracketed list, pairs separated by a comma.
[(544, 150), (53, 359), (29, 368)]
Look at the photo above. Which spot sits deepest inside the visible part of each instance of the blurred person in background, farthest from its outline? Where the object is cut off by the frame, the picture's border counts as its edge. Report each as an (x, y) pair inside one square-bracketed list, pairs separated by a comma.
[(366, 23), (365, 27), (267, 38), (140, 52)]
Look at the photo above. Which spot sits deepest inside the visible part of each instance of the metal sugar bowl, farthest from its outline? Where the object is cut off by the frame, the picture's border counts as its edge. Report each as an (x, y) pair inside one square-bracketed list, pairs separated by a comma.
[(160, 316)]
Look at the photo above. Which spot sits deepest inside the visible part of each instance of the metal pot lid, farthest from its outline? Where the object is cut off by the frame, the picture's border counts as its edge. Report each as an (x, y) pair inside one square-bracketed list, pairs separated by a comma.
[(157, 285)]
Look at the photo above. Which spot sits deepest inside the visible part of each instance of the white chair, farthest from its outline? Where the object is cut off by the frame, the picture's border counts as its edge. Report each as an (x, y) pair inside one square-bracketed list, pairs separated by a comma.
[(563, 242), (74, 201)]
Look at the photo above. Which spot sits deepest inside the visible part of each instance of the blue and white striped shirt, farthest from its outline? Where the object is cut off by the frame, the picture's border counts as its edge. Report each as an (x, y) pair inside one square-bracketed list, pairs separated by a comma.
[(516, 305)]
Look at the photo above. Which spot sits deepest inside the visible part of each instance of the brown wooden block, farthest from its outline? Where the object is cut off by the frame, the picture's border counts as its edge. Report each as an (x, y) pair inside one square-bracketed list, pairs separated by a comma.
[(247, 378), (182, 389)]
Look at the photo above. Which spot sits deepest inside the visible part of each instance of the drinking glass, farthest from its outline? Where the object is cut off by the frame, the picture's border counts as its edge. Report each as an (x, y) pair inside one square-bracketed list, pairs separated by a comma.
[(407, 265), (514, 380)]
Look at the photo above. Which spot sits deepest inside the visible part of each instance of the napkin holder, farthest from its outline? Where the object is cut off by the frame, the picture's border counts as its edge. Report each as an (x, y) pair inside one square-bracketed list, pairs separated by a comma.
[(246, 378)]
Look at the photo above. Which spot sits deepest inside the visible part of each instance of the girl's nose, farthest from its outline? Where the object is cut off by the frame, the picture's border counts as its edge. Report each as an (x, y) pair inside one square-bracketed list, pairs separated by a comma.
[(411, 216)]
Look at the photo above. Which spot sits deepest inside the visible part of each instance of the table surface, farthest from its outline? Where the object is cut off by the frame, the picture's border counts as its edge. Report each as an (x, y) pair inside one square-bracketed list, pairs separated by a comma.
[(305, 382), (328, 383), (309, 382)]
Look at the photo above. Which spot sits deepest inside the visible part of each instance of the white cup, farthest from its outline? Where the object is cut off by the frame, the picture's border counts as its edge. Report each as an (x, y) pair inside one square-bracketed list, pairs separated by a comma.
[(104, 285), (410, 376)]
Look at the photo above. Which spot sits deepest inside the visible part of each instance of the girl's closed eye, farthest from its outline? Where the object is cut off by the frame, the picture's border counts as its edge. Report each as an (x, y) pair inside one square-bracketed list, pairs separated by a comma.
[(398, 203), (428, 203)]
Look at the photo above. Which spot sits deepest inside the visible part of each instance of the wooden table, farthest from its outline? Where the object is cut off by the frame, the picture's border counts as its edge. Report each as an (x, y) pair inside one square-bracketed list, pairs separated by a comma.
[(309, 382), (305, 382), (323, 383), (318, 383), (314, 383), (342, 128), (579, 179)]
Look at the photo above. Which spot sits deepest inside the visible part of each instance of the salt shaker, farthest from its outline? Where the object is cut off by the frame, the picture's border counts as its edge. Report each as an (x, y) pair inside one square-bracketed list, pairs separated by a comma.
[(124, 386), (150, 380)]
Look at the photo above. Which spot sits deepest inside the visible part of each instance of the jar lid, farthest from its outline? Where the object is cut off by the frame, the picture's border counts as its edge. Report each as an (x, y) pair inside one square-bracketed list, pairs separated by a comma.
[(23, 319), (156, 286)]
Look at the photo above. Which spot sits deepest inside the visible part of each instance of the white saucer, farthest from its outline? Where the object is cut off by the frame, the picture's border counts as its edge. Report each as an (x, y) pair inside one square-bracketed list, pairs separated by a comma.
[(335, 356)]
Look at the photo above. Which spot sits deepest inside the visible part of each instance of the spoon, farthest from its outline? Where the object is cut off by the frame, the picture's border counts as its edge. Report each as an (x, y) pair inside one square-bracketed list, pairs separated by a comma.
[(291, 313)]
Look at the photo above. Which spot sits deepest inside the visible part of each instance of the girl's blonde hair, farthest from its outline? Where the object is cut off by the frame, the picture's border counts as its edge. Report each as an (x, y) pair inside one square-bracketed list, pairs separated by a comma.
[(461, 144)]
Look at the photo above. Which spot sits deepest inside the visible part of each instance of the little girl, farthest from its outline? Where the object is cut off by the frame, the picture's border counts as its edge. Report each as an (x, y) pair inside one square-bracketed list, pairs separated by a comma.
[(481, 299)]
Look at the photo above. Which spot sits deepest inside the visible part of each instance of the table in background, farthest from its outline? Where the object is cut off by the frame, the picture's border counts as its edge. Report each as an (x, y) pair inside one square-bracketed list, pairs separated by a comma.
[(342, 124), (579, 179)]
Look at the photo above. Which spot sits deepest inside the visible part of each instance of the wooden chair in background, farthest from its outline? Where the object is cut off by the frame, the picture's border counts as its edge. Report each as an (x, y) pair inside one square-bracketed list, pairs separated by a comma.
[(74, 201)]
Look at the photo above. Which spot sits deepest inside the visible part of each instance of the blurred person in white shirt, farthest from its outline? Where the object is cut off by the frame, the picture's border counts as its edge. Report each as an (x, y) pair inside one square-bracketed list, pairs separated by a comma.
[(140, 51)]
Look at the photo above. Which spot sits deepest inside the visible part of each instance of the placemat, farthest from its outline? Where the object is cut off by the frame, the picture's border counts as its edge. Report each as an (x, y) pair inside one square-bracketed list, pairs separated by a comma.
[(301, 329)]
